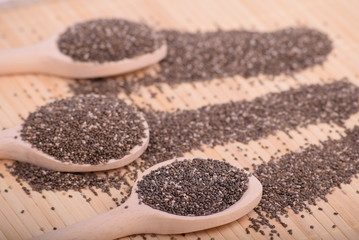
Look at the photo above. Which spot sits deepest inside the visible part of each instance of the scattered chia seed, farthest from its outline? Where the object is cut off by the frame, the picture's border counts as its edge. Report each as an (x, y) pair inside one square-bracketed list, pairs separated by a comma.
[(195, 187), (285, 181), (26, 190), (87, 129), (244, 121), (41, 179), (108, 40), (207, 55)]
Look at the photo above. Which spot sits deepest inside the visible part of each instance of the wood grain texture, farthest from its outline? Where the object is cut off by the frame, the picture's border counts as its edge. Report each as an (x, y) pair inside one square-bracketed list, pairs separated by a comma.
[(20, 94)]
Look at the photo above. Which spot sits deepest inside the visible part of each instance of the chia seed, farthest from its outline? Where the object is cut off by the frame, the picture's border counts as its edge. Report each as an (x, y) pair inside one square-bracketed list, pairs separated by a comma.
[(204, 56), (84, 129), (244, 121), (41, 179), (108, 40), (195, 187), (285, 181)]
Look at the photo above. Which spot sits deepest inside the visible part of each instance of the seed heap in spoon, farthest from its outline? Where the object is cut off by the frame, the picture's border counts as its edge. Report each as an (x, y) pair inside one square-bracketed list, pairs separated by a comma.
[(86, 129), (193, 187), (108, 40)]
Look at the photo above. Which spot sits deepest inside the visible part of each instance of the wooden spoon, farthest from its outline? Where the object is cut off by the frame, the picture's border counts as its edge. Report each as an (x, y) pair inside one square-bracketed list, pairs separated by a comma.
[(45, 57), (134, 218), (14, 148)]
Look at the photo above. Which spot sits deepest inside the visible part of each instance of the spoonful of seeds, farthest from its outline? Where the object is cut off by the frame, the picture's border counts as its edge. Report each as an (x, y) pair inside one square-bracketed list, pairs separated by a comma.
[(78, 134), (90, 49), (176, 196)]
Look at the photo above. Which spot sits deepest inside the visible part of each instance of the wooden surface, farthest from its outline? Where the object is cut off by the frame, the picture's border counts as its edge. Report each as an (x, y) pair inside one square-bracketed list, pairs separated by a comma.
[(21, 94)]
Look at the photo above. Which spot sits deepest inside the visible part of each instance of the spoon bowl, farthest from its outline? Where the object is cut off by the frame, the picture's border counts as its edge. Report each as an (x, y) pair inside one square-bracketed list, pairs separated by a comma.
[(134, 218), (45, 57), (14, 148)]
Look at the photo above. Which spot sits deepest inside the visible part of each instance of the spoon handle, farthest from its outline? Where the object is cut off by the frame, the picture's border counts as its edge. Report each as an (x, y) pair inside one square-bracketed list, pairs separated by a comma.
[(116, 223), (21, 60), (8, 143)]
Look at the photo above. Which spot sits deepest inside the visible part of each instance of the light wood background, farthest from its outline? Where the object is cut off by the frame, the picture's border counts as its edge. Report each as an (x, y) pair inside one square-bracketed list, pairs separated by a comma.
[(20, 94)]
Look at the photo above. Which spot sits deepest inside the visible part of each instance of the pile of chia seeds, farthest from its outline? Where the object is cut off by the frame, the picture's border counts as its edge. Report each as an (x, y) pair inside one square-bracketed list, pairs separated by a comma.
[(297, 180), (195, 187), (86, 129), (108, 40), (208, 55), (41, 179), (174, 133)]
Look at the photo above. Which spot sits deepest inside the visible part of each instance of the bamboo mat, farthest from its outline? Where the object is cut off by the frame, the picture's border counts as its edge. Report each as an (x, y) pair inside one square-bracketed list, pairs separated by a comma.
[(20, 94)]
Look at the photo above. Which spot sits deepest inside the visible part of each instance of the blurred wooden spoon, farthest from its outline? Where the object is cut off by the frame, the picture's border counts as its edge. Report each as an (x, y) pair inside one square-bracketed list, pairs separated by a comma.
[(45, 57)]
